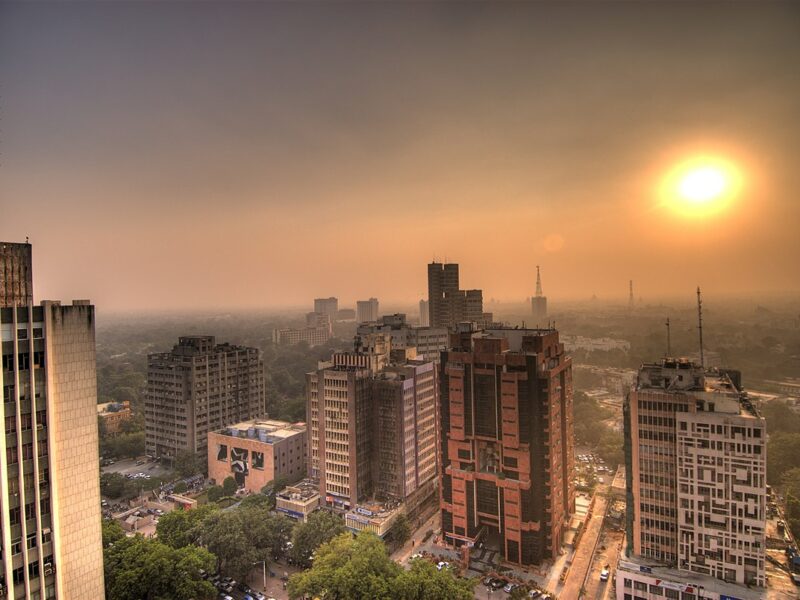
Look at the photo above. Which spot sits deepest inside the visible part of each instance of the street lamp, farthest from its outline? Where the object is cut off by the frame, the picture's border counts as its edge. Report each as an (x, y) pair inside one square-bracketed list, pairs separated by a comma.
[(263, 563)]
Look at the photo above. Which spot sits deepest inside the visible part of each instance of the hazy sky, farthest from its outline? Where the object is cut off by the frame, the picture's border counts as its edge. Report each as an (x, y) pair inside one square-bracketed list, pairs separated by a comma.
[(165, 155)]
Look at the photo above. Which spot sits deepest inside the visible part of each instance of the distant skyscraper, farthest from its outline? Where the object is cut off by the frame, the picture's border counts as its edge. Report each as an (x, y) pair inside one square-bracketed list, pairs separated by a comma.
[(539, 302), (631, 302), (328, 306), (428, 341), (367, 310), (447, 304), (198, 387), (506, 442), (50, 497), (424, 314), (696, 465)]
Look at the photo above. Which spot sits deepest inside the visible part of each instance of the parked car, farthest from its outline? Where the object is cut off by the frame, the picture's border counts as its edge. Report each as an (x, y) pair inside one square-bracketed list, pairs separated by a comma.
[(534, 594), (442, 565), (498, 583), (510, 587), (604, 574)]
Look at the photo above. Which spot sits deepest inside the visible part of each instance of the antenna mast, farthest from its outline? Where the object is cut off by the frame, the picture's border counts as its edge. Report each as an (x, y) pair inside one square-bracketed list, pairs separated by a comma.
[(700, 326), (669, 341), (538, 283)]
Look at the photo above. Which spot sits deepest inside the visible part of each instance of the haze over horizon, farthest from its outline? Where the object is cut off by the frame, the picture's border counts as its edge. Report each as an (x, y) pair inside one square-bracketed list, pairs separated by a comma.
[(197, 155)]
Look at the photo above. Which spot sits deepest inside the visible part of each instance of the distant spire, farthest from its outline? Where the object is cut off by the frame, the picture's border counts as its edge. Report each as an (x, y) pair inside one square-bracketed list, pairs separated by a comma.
[(538, 283), (630, 297), (669, 340), (700, 325)]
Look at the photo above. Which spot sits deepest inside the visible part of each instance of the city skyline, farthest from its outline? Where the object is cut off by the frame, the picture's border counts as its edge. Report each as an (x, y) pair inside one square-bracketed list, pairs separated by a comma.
[(551, 126)]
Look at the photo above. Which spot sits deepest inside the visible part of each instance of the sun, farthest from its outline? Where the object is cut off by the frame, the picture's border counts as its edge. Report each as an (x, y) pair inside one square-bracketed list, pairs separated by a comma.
[(701, 187)]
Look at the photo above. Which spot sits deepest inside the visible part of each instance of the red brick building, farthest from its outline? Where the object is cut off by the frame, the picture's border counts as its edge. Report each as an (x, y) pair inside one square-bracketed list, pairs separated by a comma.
[(506, 444)]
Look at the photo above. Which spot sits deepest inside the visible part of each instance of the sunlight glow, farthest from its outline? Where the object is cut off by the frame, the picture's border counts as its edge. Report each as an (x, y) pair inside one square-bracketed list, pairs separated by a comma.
[(701, 187)]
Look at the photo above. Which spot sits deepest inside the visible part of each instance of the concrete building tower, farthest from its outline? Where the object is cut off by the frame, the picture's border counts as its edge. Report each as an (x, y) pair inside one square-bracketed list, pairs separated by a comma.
[(328, 306), (49, 482), (199, 387), (506, 442), (695, 452), (424, 314), (631, 302), (447, 304), (539, 302), (367, 310)]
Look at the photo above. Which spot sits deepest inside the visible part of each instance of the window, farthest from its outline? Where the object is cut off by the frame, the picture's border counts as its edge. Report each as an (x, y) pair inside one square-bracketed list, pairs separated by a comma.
[(11, 455), (16, 546), (11, 424)]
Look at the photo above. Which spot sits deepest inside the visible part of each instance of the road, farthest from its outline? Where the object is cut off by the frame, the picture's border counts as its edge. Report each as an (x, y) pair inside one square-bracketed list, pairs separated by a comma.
[(402, 554), (611, 542), (582, 560)]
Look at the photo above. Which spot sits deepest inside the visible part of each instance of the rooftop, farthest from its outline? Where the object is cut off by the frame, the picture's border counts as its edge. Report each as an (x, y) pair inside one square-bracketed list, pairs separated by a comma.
[(302, 490), (684, 579), (267, 431)]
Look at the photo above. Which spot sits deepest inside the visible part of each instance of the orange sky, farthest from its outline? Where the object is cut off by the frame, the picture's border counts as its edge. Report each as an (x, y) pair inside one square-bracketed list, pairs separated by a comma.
[(168, 155)]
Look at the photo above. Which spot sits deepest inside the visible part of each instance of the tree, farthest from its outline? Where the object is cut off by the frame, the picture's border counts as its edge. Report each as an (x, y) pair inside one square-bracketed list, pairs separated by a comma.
[(256, 500), (215, 493), (112, 532), (273, 487), (180, 528), (348, 568), (425, 582), (138, 568), (224, 534), (356, 568), (187, 463), (782, 452), (322, 526), (115, 485), (780, 418), (401, 530), (229, 486), (180, 487)]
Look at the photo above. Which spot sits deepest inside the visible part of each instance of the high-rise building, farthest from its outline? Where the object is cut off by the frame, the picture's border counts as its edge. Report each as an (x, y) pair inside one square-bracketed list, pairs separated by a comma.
[(447, 304), (539, 302), (198, 387), (367, 310), (328, 306), (50, 492), (371, 419), (506, 443), (424, 314), (695, 450), (428, 341)]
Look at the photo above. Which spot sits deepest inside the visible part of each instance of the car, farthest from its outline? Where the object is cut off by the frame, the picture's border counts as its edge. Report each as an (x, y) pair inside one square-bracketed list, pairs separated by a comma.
[(498, 583), (248, 597), (487, 581), (442, 565), (796, 579), (534, 594), (510, 587), (604, 574)]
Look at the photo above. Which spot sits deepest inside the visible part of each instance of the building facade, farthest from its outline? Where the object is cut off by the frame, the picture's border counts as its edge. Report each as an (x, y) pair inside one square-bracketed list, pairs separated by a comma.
[(696, 462), (257, 451), (113, 414), (429, 342), (49, 480), (424, 314), (198, 387), (328, 306), (372, 428), (447, 304), (318, 330), (367, 310), (506, 442)]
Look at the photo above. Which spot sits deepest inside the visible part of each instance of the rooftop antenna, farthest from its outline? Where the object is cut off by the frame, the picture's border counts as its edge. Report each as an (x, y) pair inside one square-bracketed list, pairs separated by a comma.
[(700, 326), (538, 283), (630, 295), (669, 341)]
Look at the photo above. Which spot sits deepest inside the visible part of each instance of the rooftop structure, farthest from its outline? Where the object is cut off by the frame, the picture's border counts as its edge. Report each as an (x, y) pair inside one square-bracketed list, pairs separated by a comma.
[(299, 500), (374, 516)]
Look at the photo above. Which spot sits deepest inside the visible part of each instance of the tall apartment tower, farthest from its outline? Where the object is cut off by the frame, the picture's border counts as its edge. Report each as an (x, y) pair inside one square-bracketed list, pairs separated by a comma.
[(539, 302), (367, 310), (506, 442), (371, 420), (49, 483), (695, 450), (328, 306), (424, 314), (447, 304), (200, 386)]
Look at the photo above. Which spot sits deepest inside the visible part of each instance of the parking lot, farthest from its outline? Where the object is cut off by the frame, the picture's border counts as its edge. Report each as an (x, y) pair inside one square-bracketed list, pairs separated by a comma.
[(131, 466)]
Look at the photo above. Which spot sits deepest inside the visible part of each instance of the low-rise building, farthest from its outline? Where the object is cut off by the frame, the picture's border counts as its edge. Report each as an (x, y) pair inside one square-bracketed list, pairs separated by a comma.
[(257, 451), (113, 415), (376, 517), (298, 501)]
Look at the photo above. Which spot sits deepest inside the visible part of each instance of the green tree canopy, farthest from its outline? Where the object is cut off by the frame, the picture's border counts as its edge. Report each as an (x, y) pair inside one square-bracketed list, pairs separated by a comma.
[(322, 526), (361, 569), (180, 528), (780, 418), (229, 486), (215, 493), (782, 452), (187, 463), (138, 568), (112, 532)]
